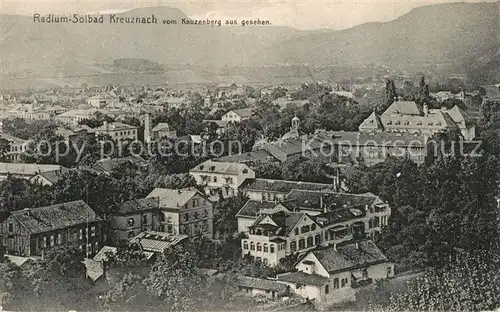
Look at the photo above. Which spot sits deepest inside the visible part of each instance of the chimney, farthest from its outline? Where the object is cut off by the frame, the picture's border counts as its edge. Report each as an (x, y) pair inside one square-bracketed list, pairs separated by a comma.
[(426, 110), (147, 129)]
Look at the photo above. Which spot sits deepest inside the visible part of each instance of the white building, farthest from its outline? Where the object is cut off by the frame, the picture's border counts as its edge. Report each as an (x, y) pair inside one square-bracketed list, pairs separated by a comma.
[(221, 176), (331, 275), (118, 131), (237, 115)]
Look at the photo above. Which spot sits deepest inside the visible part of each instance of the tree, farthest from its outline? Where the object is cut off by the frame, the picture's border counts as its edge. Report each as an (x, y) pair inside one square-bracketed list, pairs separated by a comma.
[(4, 150), (268, 170), (225, 212), (471, 282), (176, 281), (301, 169)]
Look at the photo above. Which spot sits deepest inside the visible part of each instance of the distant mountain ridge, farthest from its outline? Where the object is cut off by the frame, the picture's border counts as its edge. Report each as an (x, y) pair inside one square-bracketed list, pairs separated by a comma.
[(440, 33)]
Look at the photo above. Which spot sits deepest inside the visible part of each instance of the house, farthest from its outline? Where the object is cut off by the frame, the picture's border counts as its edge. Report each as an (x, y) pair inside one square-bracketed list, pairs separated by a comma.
[(49, 177), (157, 242), (73, 117), (24, 171), (274, 236), (219, 125), (162, 130), (260, 287), (17, 146), (109, 164), (237, 115), (331, 218), (331, 275), (100, 101), (406, 117), (32, 231), (221, 176), (184, 211), (133, 217), (226, 90), (118, 131)]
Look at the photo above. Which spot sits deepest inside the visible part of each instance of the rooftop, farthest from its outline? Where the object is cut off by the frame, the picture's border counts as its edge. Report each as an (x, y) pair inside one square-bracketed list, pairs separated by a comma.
[(157, 241), (60, 216), (173, 198), (210, 166), (283, 186), (137, 205), (303, 278), (260, 283), (26, 169)]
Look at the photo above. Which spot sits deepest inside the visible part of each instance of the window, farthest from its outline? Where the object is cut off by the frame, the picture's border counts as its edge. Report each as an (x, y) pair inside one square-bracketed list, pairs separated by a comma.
[(317, 239), (196, 215), (272, 248), (170, 229), (196, 202), (259, 247), (186, 217), (92, 231), (169, 219), (266, 249), (310, 242), (144, 219), (215, 179), (80, 233), (131, 234), (131, 222), (296, 231), (11, 227), (96, 247), (335, 283), (266, 262), (59, 239), (252, 246), (45, 242), (343, 282), (205, 213), (293, 246), (327, 289), (313, 227), (245, 245), (302, 244), (162, 217)]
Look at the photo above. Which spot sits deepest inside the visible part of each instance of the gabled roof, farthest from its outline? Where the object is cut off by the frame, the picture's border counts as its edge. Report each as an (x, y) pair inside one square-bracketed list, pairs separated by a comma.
[(458, 116), (210, 166), (349, 256), (373, 122), (252, 208), (402, 108), (54, 175), (172, 198), (12, 139), (138, 205), (302, 278), (252, 156), (260, 283), (60, 216), (243, 113), (285, 221)]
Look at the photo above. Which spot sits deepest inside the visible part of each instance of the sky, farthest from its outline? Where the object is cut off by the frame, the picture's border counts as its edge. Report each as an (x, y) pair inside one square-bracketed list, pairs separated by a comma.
[(301, 14)]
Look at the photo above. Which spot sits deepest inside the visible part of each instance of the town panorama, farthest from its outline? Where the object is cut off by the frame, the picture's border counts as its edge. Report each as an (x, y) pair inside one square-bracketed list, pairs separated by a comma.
[(162, 159)]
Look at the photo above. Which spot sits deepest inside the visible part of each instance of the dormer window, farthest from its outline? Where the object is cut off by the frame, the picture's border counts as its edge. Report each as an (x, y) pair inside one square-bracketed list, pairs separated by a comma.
[(245, 171), (389, 122), (201, 167), (212, 168), (407, 123), (397, 122), (431, 124)]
